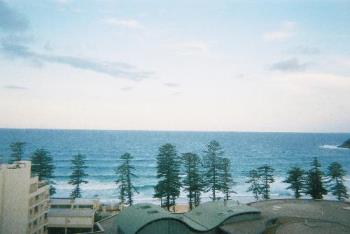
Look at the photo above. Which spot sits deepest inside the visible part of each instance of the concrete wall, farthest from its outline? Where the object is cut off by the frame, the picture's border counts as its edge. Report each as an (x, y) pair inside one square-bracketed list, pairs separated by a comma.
[(86, 222), (14, 198)]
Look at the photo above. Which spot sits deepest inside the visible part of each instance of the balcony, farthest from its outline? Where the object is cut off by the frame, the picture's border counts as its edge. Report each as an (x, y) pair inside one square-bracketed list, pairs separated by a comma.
[(41, 194), (42, 183), (38, 210), (37, 226)]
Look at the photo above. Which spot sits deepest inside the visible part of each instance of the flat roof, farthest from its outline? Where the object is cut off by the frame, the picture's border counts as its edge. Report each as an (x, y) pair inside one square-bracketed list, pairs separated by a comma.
[(80, 212), (296, 216), (69, 201)]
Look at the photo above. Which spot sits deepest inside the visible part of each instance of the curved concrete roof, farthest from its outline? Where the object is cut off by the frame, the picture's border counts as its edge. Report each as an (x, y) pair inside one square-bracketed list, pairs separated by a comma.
[(203, 218), (133, 218)]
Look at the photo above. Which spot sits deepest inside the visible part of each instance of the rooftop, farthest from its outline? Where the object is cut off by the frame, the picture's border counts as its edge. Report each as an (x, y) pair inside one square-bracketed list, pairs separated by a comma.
[(296, 216), (53, 212), (275, 216), (203, 218), (68, 201), (16, 165)]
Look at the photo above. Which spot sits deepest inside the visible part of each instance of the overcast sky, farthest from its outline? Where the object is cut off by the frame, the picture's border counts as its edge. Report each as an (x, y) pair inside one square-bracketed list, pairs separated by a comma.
[(175, 65)]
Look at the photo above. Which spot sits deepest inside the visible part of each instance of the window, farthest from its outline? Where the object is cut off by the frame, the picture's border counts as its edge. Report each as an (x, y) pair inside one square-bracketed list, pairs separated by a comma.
[(61, 206), (86, 206)]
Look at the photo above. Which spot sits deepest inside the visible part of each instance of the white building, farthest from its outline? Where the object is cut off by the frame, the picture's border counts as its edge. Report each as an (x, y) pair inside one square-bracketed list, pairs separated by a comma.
[(24, 200), (71, 215)]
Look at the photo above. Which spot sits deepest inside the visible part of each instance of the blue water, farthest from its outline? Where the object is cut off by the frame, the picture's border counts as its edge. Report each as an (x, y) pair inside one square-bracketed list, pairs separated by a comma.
[(103, 148)]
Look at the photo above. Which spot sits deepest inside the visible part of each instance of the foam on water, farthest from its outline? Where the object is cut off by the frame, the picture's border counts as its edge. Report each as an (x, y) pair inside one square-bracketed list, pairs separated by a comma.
[(329, 147), (332, 147)]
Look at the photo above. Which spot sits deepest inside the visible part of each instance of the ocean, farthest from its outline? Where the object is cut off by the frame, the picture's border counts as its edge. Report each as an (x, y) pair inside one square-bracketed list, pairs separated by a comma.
[(247, 150)]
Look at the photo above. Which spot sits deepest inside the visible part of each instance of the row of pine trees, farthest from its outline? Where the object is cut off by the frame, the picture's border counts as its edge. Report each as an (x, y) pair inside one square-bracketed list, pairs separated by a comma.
[(43, 167), (210, 173), (313, 182)]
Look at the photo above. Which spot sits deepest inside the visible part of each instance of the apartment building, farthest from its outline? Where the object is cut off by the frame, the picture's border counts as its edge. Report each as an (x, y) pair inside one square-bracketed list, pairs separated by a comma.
[(24, 200), (68, 216)]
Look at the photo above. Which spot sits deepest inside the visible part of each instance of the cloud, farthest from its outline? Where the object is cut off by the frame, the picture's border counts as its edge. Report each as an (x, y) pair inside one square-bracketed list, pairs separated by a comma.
[(307, 50), (14, 44), (131, 23), (117, 70), (191, 48), (290, 65), (10, 20), (170, 84), (15, 87), (285, 31)]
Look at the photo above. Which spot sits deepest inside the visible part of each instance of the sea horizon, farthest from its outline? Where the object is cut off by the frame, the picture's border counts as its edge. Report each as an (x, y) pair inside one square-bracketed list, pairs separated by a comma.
[(174, 130)]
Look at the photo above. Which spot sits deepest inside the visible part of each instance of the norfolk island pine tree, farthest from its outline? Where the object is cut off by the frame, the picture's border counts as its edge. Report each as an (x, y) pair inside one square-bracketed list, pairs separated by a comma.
[(42, 166), (193, 181), (213, 165), (266, 175), (168, 174), (78, 175), (296, 180), (336, 175), (124, 179), (17, 151), (315, 184)]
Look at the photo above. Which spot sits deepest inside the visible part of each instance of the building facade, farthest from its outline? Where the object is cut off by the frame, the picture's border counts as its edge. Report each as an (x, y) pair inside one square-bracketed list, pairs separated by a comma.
[(68, 216), (24, 200)]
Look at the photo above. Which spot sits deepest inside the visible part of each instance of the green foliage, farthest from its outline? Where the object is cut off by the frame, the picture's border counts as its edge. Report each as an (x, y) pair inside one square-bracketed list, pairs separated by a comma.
[(213, 164), (124, 174), (42, 166), (226, 179), (193, 182), (266, 175), (168, 174), (17, 151), (78, 175), (315, 181), (336, 175), (260, 180), (296, 179), (254, 181)]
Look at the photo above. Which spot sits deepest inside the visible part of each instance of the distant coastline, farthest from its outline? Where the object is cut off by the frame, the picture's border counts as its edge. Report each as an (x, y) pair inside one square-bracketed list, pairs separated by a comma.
[(346, 144)]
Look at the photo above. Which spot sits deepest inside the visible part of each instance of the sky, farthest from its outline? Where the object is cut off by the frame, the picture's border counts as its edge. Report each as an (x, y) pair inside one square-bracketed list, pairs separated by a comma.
[(195, 65)]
